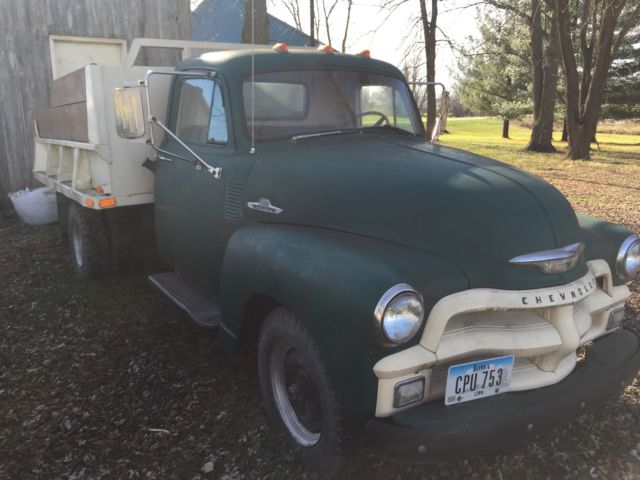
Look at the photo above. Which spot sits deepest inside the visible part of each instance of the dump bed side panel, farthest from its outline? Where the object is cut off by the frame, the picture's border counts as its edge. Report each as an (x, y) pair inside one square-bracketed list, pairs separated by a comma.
[(66, 116), (78, 151)]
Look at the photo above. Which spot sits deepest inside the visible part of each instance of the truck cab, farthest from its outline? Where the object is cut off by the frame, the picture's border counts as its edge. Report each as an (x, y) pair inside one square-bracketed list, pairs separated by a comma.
[(306, 103)]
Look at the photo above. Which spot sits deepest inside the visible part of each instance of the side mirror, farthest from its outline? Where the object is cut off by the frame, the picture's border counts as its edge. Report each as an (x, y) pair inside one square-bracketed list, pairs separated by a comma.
[(127, 104)]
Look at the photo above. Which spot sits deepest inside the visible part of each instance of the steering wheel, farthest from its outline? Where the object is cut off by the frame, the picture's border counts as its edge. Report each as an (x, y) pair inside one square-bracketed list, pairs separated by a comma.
[(383, 117)]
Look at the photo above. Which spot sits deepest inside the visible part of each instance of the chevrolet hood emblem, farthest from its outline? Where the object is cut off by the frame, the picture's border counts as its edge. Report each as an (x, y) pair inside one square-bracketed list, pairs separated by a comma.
[(559, 260)]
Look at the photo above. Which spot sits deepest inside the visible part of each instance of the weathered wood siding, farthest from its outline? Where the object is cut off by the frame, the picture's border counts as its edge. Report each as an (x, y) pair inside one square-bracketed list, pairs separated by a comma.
[(25, 66)]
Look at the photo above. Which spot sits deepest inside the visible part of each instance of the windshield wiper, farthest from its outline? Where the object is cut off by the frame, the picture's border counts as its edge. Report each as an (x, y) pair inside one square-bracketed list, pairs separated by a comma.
[(390, 128), (322, 134)]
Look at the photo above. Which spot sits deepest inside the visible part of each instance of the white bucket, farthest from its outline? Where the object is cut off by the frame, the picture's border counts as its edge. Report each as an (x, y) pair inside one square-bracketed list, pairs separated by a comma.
[(35, 207)]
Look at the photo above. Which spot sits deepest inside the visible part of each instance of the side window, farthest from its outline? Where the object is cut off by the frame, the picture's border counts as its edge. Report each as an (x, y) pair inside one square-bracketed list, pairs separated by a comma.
[(218, 125), (402, 116), (201, 114)]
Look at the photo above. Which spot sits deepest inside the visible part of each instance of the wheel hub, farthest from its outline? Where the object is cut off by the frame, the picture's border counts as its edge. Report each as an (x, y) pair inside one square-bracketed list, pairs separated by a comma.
[(295, 395)]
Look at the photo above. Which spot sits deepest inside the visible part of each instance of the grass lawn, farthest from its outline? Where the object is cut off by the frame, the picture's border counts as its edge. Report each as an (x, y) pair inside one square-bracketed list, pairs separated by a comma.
[(483, 135)]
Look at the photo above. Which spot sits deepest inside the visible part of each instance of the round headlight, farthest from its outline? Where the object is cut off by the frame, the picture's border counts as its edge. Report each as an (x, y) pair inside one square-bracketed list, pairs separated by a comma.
[(399, 314), (628, 260)]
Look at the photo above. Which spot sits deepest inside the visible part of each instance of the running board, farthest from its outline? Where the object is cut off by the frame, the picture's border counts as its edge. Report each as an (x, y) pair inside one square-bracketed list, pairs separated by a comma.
[(201, 305)]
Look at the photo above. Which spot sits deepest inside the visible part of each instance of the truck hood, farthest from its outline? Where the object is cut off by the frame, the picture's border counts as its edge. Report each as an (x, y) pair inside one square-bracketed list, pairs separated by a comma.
[(476, 212)]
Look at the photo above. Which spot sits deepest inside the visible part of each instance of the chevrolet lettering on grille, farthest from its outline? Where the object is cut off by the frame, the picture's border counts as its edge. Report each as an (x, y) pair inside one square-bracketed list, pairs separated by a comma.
[(561, 296)]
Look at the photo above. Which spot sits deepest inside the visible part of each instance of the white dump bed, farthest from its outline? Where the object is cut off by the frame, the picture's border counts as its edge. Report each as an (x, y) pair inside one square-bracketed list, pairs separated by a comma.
[(104, 166), (77, 149)]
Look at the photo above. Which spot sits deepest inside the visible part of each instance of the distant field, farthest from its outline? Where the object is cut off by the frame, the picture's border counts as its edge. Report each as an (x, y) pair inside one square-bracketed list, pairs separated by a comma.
[(483, 135)]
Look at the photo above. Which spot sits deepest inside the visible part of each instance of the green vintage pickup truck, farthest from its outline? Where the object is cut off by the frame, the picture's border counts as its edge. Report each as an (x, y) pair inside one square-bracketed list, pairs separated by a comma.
[(422, 300)]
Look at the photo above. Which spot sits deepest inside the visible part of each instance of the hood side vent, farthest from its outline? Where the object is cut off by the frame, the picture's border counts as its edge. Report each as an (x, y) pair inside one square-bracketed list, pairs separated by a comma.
[(233, 202)]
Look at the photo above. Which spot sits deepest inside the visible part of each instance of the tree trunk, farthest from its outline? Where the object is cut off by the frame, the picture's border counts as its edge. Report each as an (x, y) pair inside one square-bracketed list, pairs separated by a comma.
[(580, 142), (586, 50), (260, 23), (312, 23), (565, 132), (537, 56), (542, 133), (505, 128), (582, 117), (429, 32), (346, 26)]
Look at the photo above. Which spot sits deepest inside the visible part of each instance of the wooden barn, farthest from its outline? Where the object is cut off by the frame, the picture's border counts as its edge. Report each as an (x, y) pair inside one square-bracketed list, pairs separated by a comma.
[(26, 70)]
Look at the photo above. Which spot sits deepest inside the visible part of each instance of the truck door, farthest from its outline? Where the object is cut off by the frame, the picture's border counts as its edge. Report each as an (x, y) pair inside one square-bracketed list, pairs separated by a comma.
[(190, 202)]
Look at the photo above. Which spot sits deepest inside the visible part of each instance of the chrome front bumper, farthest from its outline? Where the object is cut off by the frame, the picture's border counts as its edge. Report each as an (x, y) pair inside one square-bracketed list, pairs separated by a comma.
[(543, 328)]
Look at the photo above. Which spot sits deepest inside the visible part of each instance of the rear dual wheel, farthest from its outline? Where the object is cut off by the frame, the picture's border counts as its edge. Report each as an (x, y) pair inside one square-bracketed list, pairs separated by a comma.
[(115, 241), (297, 392), (88, 241)]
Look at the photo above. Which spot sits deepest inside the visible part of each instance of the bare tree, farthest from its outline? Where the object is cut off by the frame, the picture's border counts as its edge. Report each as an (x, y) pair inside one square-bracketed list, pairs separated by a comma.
[(602, 26), (293, 7), (346, 25), (326, 12), (429, 24), (322, 21), (412, 69), (260, 22)]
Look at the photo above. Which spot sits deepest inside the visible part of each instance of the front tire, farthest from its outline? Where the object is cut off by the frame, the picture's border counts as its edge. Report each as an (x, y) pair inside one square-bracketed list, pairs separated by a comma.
[(297, 392)]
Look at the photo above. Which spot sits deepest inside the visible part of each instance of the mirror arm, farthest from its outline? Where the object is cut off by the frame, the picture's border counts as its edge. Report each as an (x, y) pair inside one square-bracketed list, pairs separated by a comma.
[(215, 171), (159, 151), (198, 161)]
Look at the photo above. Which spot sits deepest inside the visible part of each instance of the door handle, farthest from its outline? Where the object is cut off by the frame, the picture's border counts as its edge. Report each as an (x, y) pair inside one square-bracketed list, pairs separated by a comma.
[(163, 158)]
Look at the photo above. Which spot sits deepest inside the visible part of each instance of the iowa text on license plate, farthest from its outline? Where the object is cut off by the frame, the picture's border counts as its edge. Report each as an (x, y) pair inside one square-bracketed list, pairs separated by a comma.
[(483, 378)]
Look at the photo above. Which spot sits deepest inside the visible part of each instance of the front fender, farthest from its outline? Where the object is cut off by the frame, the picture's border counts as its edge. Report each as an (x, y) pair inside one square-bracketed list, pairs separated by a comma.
[(332, 281), (602, 240)]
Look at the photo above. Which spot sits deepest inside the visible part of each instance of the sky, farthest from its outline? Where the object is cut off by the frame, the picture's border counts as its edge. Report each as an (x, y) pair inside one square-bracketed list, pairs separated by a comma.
[(389, 35)]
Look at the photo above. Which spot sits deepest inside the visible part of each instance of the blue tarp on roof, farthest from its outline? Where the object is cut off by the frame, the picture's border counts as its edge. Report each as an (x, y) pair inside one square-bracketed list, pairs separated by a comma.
[(221, 21)]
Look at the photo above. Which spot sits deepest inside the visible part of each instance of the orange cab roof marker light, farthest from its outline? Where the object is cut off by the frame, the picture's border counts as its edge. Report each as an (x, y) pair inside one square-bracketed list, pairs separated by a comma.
[(326, 48), (364, 53), (107, 202), (89, 202), (281, 47)]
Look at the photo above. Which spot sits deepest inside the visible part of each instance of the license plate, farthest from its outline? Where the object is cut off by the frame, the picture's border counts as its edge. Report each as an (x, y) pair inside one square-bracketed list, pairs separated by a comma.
[(473, 380)]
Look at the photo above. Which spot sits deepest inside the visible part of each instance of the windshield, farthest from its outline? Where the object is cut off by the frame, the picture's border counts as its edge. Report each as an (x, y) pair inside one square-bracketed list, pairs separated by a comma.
[(291, 103)]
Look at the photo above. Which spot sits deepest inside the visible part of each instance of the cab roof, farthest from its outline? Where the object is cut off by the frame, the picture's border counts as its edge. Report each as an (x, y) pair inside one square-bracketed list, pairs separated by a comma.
[(237, 63)]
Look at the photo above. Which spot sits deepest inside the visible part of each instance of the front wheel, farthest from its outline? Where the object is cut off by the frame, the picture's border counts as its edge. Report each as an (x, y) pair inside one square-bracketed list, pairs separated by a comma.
[(297, 391)]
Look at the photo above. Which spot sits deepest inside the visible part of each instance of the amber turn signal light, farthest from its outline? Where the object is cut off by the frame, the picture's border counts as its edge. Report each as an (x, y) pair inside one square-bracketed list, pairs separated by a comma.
[(281, 47), (326, 48), (107, 202)]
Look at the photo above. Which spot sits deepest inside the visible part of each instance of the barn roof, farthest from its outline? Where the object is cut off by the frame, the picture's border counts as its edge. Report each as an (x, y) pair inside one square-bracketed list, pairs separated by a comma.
[(221, 21)]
